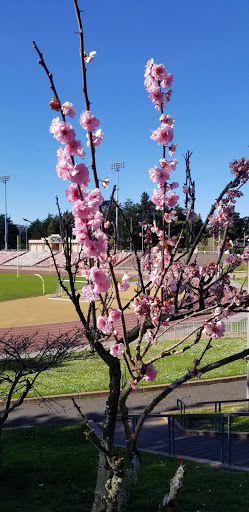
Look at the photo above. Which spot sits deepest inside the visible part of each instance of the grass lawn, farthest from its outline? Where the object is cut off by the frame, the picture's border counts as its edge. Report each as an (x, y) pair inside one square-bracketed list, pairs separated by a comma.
[(238, 423), (70, 376), (29, 285), (241, 280), (26, 285), (50, 469)]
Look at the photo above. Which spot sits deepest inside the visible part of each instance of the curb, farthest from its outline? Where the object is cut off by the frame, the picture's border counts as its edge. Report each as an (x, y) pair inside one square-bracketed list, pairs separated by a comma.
[(144, 389)]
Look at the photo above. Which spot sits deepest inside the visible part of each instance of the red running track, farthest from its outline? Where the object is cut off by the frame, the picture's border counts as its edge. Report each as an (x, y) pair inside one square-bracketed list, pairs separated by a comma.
[(43, 330)]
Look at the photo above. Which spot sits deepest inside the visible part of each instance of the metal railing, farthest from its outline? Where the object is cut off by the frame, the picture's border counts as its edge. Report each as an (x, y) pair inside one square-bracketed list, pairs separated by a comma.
[(182, 406), (219, 418), (224, 434), (176, 332)]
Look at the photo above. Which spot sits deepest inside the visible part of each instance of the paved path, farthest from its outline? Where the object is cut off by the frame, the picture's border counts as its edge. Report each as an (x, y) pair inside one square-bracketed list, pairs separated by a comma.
[(154, 435)]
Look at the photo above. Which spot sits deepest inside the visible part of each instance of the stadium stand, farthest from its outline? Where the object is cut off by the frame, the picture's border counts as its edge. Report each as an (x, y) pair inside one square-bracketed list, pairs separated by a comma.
[(9, 255), (60, 260), (29, 259)]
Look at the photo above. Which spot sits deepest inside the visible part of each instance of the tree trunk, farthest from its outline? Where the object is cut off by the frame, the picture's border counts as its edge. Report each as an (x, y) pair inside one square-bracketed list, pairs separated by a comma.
[(103, 475), (114, 485), (1, 446)]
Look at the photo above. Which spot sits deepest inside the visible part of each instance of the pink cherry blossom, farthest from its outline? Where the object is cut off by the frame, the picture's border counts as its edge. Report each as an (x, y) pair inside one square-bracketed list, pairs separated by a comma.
[(75, 148), (150, 373), (68, 109), (158, 198), (80, 175), (171, 149), (167, 81), (149, 336), (114, 314), (133, 384), (80, 209), (88, 57), (96, 221), (104, 324), (95, 248), (168, 120), (97, 138), (105, 183), (88, 121), (72, 193), (158, 71), (214, 329), (62, 131), (88, 293), (117, 349), (159, 174), (124, 285), (171, 200), (100, 280), (163, 135)]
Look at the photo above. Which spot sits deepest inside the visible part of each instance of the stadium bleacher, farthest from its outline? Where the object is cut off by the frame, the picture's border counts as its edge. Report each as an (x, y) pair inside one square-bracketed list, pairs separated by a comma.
[(9, 255)]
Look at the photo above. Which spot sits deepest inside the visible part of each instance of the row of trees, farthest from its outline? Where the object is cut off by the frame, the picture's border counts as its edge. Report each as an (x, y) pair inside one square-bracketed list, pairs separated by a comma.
[(130, 215)]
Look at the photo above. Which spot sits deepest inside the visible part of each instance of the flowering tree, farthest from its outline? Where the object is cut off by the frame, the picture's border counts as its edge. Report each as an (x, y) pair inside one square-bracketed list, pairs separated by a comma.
[(178, 288)]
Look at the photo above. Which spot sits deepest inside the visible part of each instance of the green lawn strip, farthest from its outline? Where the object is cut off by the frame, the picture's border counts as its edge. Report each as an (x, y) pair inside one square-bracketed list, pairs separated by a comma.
[(28, 285), (89, 373), (241, 280), (50, 469), (242, 268), (238, 423)]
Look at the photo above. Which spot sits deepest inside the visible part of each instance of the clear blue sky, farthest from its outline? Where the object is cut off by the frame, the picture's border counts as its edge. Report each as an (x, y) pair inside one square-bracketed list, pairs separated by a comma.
[(203, 44)]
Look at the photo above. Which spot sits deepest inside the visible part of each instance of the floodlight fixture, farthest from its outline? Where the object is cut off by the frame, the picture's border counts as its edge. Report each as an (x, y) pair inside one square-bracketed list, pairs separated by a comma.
[(4, 179), (116, 166)]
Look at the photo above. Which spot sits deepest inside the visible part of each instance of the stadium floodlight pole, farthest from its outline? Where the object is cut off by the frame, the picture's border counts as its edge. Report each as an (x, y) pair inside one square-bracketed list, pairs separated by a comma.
[(116, 166), (4, 179)]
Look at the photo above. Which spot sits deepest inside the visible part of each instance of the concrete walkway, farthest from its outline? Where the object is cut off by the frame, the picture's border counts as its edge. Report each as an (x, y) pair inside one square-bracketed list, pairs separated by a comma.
[(154, 435)]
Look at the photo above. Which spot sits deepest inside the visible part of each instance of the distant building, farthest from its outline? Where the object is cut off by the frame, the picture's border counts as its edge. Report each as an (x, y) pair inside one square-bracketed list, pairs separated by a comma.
[(55, 242)]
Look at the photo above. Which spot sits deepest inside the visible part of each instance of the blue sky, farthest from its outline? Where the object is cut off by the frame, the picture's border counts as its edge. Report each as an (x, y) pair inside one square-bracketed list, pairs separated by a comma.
[(203, 44)]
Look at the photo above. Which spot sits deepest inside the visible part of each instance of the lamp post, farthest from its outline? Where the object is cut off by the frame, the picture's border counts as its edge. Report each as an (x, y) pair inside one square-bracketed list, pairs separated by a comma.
[(4, 179), (116, 166)]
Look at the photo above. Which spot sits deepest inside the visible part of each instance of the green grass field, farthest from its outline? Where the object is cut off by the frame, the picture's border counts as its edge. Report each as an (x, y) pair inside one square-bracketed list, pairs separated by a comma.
[(241, 280), (28, 285), (70, 376), (50, 469)]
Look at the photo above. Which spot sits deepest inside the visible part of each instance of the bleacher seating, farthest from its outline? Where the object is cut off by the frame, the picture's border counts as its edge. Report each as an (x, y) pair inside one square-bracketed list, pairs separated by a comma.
[(9, 255), (59, 259), (29, 259)]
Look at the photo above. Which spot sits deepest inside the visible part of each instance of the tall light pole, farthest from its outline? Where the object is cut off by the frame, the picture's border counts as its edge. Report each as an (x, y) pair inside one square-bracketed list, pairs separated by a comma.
[(4, 180), (116, 166)]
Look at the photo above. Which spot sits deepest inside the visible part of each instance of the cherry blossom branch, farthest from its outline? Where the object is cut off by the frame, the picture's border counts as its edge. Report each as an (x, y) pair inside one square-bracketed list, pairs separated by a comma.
[(84, 89), (90, 434), (134, 247), (231, 184), (50, 77)]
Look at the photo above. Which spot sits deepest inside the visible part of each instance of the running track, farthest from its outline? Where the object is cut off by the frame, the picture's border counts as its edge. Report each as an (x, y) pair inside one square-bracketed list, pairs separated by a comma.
[(43, 330)]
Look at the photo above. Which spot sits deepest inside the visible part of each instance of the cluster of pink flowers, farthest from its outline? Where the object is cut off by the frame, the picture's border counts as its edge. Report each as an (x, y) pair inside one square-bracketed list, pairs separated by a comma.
[(214, 329), (105, 323), (150, 373), (240, 168), (156, 79), (117, 349), (124, 285), (223, 217)]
